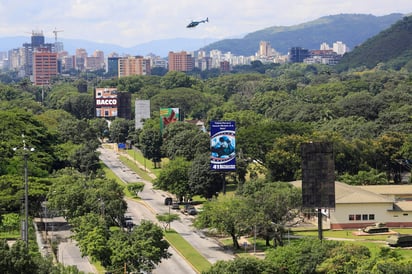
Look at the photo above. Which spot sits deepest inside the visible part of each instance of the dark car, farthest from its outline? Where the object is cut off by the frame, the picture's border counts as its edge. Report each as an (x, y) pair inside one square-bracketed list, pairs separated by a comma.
[(175, 205), (128, 222), (192, 211)]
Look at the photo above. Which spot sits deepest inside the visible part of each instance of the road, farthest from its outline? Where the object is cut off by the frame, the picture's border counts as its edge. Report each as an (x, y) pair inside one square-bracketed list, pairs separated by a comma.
[(69, 254), (175, 264), (153, 203)]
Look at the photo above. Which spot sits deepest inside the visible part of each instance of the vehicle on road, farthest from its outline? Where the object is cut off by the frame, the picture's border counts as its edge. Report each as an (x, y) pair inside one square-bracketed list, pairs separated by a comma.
[(175, 205), (190, 209)]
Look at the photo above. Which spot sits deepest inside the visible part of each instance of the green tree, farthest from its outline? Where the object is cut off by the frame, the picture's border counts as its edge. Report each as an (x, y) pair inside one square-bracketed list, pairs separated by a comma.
[(119, 130), (10, 222), (150, 143), (388, 149), (361, 104), (17, 126), (135, 188), (81, 106), (91, 232), (372, 177), (73, 195), (174, 178), (141, 249), (345, 259), (240, 265), (257, 140), (132, 84), (202, 180), (301, 256), (166, 219), (191, 102), (184, 140), (177, 79), (284, 160), (59, 94), (17, 260), (229, 215), (276, 205)]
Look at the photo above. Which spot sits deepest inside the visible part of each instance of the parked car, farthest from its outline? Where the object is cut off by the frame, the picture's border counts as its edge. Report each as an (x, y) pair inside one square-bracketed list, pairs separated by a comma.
[(175, 205), (190, 209), (128, 222)]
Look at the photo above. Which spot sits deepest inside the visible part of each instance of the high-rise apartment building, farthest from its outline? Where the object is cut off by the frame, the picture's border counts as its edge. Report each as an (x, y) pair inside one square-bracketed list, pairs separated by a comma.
[(37, 41), (324, 46), (340, 48), (264, 48), (133, 65), (181, 61), (96, 61), (298, 54), (45, 66), (113, 65), (81, 55)]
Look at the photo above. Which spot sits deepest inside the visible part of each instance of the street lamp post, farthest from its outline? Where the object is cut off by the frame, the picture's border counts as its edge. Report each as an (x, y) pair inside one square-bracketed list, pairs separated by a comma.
[(26, 192)]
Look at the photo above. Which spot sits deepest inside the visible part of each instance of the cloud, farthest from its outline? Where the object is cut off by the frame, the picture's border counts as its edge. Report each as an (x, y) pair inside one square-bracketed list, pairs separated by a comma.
[(129, 23)]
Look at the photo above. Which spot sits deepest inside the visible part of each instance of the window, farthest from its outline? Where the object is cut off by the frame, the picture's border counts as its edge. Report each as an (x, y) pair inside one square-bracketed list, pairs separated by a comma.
[(361, 217)]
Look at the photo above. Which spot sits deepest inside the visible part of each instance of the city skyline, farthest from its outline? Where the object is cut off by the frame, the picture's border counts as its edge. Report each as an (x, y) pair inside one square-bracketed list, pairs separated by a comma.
[(129, 23)]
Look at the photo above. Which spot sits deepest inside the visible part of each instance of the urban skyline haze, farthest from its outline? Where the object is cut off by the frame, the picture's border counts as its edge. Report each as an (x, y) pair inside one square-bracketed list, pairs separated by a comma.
[(130, 23)]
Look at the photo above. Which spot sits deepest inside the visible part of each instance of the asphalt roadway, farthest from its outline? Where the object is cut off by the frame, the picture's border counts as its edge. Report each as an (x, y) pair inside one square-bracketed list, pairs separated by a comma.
[(153, 201)]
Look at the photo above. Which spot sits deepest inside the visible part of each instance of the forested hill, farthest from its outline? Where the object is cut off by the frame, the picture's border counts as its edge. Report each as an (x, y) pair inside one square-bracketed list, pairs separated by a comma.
[(392, 46), (351, 29)]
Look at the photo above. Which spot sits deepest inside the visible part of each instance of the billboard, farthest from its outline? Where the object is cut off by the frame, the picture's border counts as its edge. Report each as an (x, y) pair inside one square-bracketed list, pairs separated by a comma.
[(222, 145), (318, 175), (106, 102), (168, 116), (142, 111)]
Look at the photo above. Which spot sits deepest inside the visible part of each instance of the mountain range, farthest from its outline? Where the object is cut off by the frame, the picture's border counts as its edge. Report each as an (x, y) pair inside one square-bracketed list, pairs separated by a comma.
[(308, 35), (391, 48)]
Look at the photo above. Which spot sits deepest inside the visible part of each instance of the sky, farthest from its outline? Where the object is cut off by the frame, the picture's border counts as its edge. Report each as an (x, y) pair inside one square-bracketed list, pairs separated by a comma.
[(129, 23)]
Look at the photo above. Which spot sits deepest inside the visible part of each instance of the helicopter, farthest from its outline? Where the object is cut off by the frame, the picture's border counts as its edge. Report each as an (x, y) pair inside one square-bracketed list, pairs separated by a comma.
[(195, 23)]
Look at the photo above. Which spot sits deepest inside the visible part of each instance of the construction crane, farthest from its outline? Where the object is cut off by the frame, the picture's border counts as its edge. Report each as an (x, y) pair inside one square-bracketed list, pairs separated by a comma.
[(55, 31)]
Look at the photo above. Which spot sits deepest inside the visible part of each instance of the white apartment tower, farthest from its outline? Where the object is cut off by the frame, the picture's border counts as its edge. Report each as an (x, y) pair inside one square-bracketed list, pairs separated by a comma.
[(340, 48), (324, 46)]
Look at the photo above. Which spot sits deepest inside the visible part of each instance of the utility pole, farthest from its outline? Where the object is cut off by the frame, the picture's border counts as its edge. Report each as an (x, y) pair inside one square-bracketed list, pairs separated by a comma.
[(25, 233)]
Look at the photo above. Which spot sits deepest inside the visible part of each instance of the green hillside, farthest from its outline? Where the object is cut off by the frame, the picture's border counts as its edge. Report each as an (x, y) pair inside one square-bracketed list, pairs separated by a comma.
[(310, 35), (392, 46)]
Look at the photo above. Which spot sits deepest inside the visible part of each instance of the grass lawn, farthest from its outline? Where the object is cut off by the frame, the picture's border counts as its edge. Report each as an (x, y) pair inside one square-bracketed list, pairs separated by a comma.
[(130, 164), (148, 164), (187, 251), (373, 242), (14, 234)]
